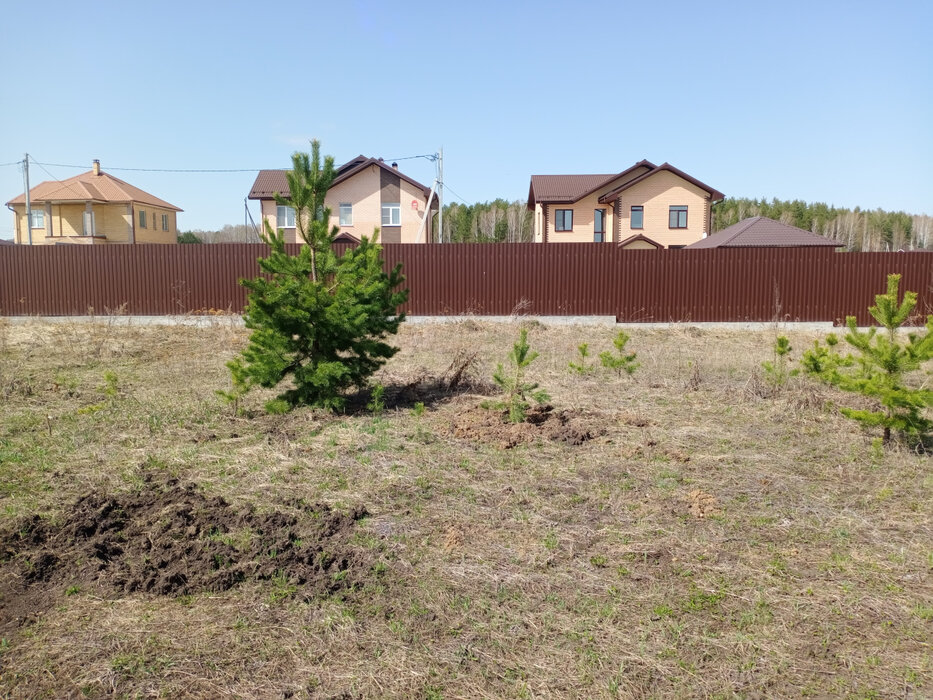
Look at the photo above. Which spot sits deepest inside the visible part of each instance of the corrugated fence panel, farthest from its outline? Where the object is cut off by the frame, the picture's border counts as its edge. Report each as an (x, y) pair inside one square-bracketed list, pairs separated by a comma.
[(750, 284)]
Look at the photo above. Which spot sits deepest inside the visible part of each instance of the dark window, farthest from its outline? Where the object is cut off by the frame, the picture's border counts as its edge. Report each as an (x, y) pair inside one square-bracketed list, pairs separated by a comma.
[(638, 217), (598, 236), (678, 217), (599, 221), (563, 220)]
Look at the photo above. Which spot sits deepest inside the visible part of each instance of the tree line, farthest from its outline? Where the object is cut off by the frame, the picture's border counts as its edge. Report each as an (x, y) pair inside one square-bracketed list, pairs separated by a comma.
[(856, 229)]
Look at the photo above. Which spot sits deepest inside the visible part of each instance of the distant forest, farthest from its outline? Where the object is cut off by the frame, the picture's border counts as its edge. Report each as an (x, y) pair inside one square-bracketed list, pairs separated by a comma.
[(501, 221), (856, 229)]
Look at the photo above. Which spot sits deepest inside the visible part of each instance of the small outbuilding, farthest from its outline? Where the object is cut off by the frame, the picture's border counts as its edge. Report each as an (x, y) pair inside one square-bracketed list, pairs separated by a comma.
[(762, 232)]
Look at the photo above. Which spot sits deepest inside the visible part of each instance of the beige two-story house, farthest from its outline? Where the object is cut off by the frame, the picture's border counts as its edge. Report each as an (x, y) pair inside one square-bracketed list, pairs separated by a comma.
[(367, 194), (92, 208), (645, 206)]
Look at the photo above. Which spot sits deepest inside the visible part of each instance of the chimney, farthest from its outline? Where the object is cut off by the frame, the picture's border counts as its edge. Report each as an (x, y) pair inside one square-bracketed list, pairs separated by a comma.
[(96, 166), (395, 165)]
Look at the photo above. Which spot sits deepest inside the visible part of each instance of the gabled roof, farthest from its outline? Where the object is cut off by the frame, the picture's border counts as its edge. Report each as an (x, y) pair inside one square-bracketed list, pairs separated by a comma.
[(762, 232), (664, 167), (90, 187), (639, 237), (268, 182)]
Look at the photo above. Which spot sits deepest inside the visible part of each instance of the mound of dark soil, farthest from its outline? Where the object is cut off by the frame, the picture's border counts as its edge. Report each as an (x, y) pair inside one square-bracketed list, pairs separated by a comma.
[(170, 539), (542, 422)]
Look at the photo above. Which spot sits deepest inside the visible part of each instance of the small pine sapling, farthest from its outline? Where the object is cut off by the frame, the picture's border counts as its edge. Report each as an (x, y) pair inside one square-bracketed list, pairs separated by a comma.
[(776, 370), (620, 361), (582, 367), (517, 390), (881, 368)]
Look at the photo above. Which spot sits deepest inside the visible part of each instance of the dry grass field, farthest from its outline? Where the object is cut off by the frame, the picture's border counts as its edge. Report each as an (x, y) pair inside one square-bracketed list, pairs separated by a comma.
[(685, 532)]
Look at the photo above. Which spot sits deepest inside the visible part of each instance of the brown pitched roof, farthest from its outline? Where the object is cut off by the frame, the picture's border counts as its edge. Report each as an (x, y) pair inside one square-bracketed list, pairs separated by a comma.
[(268, 182), (714, 194), (88, 187), (759, 231), (564, 188), (570, 188)]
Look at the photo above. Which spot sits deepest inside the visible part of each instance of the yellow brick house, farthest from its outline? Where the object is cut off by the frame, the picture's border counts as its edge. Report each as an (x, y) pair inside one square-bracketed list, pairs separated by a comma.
[(92, 208)]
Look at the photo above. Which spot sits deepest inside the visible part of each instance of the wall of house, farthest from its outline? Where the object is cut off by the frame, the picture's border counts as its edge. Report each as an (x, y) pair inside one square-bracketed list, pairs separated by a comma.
[(657, 194), (413, 213), (67, 222), (362, 191), (365, 192), (590, 203), (583, 221), (153, 232)]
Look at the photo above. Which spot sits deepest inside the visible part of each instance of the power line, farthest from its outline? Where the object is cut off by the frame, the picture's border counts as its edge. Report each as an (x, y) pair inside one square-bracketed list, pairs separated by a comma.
[(454, 193), (429, 156), (70, 187), (166, 170), (15, 162)]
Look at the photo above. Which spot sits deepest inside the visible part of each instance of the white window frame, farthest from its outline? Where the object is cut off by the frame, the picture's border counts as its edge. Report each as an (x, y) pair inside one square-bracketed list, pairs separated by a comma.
[(36, 218), (392, 214), (165, 222), (284, 213), (346, 218)]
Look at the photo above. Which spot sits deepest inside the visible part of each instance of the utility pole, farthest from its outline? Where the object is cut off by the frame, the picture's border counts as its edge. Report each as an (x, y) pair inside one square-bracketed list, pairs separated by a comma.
[(28, 208), (440, 196)]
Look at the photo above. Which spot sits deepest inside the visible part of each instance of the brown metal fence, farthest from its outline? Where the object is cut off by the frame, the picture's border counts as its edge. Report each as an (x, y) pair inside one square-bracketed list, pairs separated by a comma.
[(746, 284)]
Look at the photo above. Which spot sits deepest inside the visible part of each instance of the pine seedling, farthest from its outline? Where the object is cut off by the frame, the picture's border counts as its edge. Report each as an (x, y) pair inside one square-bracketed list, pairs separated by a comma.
[(776, 370), (518, 391), (582, 367), (620, 361), (880, 369)]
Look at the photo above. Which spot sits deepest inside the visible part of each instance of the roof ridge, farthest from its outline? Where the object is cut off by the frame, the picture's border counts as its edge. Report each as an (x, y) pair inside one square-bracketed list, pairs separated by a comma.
[(739, 229)]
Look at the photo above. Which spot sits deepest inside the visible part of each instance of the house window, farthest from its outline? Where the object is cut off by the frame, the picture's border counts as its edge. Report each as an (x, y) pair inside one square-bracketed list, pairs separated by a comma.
[(678, 217), (346, 214), (638, 217), (599, 225), (165, 222), (563, 219), (36, 218), (142, 219), (392, 214), (284, 217)]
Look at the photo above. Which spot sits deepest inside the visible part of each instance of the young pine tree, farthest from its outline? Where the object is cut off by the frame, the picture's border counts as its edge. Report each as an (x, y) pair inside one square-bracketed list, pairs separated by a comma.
[(881, 368), (517, 391), (317, 319), (621, 361)]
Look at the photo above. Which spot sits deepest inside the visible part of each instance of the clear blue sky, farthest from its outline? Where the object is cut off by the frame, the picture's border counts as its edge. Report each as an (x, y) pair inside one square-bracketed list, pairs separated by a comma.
[(820, 101)]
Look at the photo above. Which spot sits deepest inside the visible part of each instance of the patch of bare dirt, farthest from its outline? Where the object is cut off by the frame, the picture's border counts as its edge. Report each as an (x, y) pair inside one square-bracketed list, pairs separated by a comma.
[(170, 539), (701, 504), (542, 422)]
